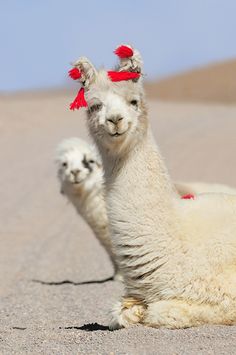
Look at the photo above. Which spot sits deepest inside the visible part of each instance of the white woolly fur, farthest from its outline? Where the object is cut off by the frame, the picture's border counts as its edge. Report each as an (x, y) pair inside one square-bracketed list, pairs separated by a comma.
[(177, 257)]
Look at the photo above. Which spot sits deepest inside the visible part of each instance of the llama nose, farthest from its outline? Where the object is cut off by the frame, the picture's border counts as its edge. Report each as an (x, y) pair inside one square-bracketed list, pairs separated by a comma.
[(75, 172), (115, 119)]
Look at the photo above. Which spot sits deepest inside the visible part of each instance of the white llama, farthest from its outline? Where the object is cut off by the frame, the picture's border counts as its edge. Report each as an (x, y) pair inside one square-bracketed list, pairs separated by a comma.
[(80, 173), (177, 257)]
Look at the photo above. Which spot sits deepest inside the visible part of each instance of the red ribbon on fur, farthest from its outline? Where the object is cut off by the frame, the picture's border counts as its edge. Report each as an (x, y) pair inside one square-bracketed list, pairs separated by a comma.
[(122, 75), (74, 73), (188, 197), (79, 101), (124, 52)]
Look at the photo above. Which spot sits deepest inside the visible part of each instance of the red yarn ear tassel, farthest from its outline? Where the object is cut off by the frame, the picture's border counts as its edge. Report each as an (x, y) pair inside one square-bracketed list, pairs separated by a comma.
[(74, 73), (79, 101), (122, 75), (124, 52)]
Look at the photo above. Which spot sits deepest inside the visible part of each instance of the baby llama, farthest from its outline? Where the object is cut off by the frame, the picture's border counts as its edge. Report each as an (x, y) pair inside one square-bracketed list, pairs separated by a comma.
[(80, 175), (177, 256)]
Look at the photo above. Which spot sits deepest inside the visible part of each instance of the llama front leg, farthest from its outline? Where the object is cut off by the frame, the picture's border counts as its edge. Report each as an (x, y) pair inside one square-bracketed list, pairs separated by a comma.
[(127, 312), (174, 314)]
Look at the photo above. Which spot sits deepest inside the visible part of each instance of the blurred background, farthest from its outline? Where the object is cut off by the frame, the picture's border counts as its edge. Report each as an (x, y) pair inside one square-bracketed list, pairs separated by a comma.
[(189, 47)]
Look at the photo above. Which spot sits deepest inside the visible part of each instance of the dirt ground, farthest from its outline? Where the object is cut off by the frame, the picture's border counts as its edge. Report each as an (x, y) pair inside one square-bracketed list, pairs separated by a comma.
[(54, 292)]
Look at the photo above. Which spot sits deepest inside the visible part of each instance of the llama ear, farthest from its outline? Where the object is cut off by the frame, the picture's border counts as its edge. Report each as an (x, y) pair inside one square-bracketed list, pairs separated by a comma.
[(87, 71), (130, 59)]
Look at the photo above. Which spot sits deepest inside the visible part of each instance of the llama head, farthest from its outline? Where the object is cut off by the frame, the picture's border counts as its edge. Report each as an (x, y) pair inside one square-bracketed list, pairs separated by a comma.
[(115, 112), (78, 165), (116, 109)]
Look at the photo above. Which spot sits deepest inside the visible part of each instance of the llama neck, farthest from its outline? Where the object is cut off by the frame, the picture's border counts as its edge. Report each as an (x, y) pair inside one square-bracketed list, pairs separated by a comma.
[(90, 204), (142, 169), (141, 216)]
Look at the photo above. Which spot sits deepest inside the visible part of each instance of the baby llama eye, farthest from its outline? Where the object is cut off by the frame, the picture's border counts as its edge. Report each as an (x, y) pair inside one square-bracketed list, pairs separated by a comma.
[(134, 102), (64, 164), (91, 161)]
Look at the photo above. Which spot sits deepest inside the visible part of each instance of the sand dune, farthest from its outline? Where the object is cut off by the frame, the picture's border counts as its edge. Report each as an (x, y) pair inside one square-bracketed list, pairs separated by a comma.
[(214, 83), (43, 242)]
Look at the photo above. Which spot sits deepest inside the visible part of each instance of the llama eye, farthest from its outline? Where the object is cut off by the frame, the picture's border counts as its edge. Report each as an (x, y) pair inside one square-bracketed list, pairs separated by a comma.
[(134, 102), (95, 107), (65, 164), (91, 161)]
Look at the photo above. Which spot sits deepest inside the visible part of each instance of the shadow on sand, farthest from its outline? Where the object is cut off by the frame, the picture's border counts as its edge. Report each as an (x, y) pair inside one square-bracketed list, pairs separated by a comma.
[(58, 283), (90, 327)]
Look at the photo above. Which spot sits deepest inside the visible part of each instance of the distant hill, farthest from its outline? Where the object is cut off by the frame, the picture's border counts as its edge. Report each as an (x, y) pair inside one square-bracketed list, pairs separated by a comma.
[(213, 83)]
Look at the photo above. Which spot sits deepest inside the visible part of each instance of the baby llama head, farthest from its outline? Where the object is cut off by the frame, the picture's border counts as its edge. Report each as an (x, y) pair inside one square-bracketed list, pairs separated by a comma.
[(79, 167)]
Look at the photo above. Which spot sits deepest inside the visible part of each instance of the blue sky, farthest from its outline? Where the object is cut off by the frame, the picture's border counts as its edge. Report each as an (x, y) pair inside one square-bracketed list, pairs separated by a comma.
[(39, 38)]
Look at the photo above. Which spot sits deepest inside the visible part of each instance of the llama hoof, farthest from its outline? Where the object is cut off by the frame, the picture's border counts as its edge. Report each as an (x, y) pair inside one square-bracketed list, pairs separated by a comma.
[(127, 313)]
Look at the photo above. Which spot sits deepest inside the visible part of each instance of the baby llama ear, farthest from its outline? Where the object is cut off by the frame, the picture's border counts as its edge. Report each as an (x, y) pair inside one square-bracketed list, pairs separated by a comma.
[(130, 59), (86, 73)]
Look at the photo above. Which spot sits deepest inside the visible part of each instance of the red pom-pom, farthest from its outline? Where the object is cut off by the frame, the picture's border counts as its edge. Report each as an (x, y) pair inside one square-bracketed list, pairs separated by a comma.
[(188, 197), (122, 75), (79, 101), (74, 73), (124, 52)]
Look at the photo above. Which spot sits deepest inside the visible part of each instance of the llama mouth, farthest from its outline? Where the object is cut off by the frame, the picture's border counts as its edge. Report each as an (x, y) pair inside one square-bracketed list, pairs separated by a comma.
[(117, 134), (77, 182)]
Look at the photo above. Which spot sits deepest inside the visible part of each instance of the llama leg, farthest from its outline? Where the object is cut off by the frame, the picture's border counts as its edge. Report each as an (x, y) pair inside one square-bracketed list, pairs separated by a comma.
[(176, 314), (127, 312)]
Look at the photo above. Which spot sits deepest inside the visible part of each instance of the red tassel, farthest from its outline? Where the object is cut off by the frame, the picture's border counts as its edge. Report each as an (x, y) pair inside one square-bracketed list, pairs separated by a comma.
[(74, 73), (124, 52), (79, 101), (188, 197), (122, 75)]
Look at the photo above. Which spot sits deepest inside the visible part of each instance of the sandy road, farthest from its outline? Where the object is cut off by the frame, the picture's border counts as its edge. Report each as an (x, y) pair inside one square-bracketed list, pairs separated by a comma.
[(46, 251)]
